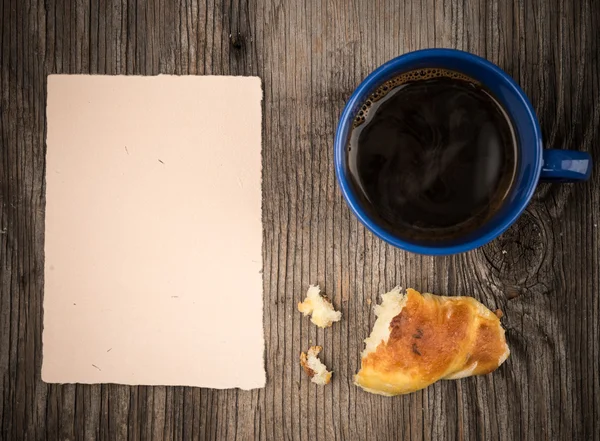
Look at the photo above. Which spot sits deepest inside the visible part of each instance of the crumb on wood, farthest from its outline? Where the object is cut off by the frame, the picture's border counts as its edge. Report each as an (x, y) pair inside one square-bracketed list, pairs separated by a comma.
[(320, 309), (314, 368), (304, 364), (369, 301), (499, 313)]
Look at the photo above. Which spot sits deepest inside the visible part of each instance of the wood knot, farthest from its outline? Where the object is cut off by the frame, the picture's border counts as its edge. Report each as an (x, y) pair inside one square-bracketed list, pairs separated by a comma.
[(512, 292), (516, 258), (237, 41)]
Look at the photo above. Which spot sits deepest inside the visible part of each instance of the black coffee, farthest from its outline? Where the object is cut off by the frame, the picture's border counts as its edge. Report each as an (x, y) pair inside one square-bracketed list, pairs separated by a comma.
[(432, 155)]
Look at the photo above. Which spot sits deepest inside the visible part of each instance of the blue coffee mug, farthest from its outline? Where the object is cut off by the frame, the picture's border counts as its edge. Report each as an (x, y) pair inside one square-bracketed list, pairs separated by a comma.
[(534, 163)]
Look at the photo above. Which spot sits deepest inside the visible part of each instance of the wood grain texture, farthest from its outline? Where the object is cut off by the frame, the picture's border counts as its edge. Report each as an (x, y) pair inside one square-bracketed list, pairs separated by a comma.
[(544, 273)]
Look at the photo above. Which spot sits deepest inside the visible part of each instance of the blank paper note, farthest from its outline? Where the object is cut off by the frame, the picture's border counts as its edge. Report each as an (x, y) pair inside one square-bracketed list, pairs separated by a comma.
[(153, 231)]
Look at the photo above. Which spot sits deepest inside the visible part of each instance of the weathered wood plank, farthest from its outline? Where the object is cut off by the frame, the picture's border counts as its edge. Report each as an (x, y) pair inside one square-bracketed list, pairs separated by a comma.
[(543, 273)]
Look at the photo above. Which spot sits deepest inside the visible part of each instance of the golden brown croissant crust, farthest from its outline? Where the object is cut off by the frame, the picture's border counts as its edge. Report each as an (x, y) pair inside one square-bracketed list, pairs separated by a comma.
[(431, 338)]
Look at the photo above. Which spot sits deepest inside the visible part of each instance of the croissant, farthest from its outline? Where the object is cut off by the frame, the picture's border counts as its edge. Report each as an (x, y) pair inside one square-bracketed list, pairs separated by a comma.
[(420, 339)]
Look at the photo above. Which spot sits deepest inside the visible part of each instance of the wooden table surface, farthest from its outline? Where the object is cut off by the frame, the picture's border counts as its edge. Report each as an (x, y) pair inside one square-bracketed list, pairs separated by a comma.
[(544, 273)]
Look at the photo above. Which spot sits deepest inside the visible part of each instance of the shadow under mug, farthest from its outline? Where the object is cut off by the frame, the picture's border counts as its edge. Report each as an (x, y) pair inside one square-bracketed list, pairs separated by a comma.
[(534, 163)]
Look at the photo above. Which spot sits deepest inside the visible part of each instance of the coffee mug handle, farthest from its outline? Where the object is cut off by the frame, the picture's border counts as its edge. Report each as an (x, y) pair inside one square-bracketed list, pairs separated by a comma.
[(566, 166)]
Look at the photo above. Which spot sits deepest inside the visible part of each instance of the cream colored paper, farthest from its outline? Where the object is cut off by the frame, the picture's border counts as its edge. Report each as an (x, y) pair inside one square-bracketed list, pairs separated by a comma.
[(153, 231)]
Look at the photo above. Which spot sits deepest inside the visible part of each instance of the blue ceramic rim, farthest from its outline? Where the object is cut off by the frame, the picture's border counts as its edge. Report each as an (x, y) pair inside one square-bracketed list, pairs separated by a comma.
[(367, 86)]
